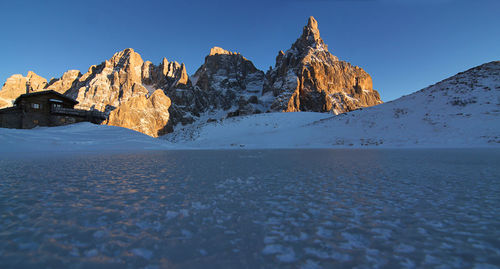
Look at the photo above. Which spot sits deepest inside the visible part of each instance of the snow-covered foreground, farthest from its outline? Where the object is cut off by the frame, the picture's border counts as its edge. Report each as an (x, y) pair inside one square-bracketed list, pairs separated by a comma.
[(80, 137), (462, 111)]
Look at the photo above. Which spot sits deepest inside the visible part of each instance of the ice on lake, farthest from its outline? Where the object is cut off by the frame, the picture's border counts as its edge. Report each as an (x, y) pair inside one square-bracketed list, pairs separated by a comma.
[(252, 209)]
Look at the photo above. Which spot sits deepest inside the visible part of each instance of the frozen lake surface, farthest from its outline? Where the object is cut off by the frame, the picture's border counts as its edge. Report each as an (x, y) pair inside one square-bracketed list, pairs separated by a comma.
[(252, 209)]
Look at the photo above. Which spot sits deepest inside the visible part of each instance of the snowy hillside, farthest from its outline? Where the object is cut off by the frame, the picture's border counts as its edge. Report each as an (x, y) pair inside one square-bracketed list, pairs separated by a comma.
[(461, 111), (80, 137), (270, 130)]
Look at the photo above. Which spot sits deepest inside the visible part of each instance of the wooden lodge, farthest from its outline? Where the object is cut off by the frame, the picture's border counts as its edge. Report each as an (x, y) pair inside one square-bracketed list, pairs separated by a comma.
[(45, 108)]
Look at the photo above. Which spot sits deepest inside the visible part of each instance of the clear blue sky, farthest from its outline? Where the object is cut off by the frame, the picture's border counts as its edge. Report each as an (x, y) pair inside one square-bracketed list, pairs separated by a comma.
[(404, 45)]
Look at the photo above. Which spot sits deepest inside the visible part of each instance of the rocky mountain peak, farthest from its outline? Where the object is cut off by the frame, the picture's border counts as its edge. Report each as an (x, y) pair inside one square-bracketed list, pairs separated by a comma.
[(310, 37), (220, 63), (312, 23), (311, 30), (307, 77), (219, 50), (126, 58), (226, 81)]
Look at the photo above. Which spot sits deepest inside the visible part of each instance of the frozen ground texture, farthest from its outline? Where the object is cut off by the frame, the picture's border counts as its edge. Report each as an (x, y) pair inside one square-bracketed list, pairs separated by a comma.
[(461, 111), (80, 137), (253, 209)]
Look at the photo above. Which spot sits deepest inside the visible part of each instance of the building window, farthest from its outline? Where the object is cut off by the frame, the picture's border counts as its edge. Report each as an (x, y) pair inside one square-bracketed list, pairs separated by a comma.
[(35, 105)]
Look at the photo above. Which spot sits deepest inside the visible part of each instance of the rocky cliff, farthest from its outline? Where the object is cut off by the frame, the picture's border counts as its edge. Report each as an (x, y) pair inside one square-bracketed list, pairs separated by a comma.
[(307, 77), (148, 115), (124, 86), (68, 81), (230, 81), (18, 84)]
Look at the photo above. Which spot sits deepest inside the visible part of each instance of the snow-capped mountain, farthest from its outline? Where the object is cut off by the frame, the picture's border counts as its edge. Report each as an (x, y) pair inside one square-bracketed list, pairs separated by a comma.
[(461, 111)]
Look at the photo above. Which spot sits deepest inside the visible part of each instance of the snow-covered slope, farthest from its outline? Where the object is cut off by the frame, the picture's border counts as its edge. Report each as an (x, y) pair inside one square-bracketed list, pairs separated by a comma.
[(80, 137), (461, 111), (270, 130)]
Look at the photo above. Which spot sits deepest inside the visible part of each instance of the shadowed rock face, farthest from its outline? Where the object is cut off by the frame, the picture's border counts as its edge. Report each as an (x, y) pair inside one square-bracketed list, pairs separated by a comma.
[(307, 77), (228, 81)]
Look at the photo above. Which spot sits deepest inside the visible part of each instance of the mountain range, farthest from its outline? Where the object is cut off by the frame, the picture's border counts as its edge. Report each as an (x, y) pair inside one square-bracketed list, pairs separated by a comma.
[(158, 99), (460, 111)]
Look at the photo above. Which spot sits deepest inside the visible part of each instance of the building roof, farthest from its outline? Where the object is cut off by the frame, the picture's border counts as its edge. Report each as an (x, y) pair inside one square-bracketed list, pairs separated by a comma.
[(61, 96)]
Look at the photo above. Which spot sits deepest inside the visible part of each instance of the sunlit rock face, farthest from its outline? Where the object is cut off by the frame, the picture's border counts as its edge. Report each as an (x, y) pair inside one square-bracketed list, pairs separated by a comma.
[(124, 86), (148, 115), (106, 86), (132, 91), (68, 80), (18, 84), (307, 77)]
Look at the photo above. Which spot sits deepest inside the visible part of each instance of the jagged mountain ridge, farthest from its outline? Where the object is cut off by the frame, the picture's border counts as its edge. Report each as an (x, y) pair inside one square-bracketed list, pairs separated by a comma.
[(121, 86), (460, 111), (226, 84), (227, 76)]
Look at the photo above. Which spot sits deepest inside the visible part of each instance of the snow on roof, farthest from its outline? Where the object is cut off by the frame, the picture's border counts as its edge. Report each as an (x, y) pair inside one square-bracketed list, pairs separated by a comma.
[(67, 98)]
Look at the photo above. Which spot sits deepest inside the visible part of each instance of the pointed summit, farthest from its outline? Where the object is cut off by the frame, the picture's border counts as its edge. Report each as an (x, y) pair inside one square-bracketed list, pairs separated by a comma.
[(312, 23), (310, 37), (125, 58), (307, 77)]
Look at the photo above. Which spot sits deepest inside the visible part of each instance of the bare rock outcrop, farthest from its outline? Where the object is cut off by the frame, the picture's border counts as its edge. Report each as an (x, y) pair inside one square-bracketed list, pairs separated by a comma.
[(68, 80), (105, 86), (219, 50), (18, 84), (167, 75), (307, 77), (230, 82), (145, 114), (127, 87)]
